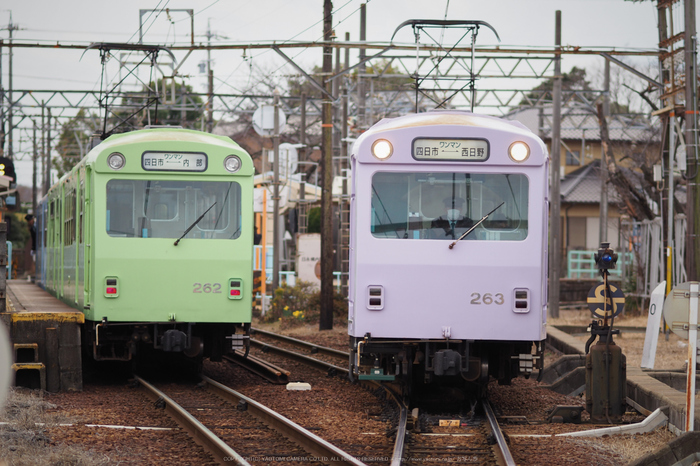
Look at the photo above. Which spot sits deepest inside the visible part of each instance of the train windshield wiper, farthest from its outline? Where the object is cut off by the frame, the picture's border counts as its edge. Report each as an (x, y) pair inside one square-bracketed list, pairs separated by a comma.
[(452, 244), (196, 222)]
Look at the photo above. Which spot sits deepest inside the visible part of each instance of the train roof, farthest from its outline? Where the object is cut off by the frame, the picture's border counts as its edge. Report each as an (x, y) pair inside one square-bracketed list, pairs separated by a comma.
[(150, 135), (449, 117), (160, 134), (453, 120)]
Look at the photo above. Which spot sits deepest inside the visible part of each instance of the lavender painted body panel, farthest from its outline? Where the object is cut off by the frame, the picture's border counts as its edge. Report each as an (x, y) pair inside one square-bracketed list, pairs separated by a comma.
[(430, 290)]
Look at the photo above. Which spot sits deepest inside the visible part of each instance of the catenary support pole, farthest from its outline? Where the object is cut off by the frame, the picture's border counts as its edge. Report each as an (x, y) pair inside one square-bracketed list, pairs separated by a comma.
[(554, 198), (276, 243), (691, 142), (603, 219), (326, 318)]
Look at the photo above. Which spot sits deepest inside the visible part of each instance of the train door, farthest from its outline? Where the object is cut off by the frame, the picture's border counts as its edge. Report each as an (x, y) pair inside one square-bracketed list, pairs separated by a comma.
[(88, 238), (58, 244), (80, 242), (50, 246)]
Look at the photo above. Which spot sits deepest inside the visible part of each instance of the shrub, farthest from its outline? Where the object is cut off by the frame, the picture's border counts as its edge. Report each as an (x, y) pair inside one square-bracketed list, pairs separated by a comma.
[(302, 304)]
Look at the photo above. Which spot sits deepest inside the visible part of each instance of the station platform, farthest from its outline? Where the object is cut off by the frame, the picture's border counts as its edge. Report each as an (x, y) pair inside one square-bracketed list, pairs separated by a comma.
[(647, 390), (45, 334)]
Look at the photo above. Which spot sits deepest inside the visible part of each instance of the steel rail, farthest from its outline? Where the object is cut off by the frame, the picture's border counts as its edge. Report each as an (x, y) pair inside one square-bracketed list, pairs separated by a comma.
[(313, 347), (502, 452), (324, 451), (264, 369), (223, 453), (400, 443), (299, 357)]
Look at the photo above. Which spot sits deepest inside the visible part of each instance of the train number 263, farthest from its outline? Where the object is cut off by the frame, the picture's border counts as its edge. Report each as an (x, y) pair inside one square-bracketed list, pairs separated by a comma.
[(487, 298), (207, 288)]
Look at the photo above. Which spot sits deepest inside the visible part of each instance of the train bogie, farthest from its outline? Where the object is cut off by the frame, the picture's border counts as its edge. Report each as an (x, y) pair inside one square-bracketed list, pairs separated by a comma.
[(448, 241)]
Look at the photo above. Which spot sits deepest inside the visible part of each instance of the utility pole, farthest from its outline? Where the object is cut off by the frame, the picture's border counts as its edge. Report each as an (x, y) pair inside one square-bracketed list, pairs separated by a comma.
[(302, 208), (45, 188), (210, 89), (326, 318), (344, 173), (34, 157), (603, 219), (276, 243), (10, 125), (47, 168), (554, 194), (691, 142), (361, 70)]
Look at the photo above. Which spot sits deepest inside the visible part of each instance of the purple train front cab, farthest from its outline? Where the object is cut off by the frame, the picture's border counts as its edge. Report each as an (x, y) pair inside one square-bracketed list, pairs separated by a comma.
[(448, 249)]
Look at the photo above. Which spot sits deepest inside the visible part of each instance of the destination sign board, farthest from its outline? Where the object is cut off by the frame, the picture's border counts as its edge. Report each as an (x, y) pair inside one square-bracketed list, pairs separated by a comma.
[(465, 150), (174, 161)]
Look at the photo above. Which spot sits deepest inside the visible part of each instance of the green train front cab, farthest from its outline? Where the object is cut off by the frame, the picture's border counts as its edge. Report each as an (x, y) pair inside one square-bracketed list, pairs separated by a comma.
[(171, 244)]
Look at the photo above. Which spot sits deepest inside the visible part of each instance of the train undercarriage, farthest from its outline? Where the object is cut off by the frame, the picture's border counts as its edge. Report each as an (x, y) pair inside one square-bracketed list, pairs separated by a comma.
[(144, 341), (459, 363)]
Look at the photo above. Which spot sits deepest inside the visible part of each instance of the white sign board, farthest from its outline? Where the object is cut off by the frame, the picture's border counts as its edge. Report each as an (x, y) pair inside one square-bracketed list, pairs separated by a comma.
[(258, 197), (264, 120), (309, 258), (289, 159), (653, 323)]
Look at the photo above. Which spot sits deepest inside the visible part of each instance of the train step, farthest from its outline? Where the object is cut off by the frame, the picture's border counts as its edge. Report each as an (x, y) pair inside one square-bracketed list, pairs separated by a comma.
[(26, 352), (30, 375)]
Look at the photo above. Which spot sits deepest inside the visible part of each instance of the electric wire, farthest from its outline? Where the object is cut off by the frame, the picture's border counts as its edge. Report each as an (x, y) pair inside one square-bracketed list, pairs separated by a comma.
[(302, 32)]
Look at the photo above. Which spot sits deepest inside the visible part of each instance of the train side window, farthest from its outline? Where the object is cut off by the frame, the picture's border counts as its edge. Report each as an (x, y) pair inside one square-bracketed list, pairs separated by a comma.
[(69, 219), (120, 208), (81, 202)]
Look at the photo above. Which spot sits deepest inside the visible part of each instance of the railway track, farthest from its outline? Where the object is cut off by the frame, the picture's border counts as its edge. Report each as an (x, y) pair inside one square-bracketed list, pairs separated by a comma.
[(270, 372), (482, 443), (238, 430), (332, 360)]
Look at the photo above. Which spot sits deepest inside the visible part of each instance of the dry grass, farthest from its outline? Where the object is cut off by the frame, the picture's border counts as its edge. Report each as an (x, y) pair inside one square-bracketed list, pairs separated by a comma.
[(23, 434), (635, 446)]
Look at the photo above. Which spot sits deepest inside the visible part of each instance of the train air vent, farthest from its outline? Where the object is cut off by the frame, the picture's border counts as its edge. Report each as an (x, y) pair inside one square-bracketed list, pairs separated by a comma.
[(375, 297), (521, 300)]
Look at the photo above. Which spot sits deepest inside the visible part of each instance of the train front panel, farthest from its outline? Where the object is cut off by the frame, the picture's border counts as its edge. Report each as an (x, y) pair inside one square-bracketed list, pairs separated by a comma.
[(172, 231), (151, 237), (449, 231)]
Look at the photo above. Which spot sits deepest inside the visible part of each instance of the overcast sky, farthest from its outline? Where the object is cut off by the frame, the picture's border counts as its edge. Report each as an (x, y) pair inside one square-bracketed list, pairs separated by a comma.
[(587, 23)]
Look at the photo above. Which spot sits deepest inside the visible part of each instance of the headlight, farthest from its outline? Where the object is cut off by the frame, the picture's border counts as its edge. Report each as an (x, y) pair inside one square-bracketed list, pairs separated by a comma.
[(232, 163), (382, 149), (116, 161), (519, 151)]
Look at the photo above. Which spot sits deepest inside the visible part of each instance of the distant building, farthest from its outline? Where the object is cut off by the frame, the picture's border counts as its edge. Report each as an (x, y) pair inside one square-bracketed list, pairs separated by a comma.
[(634, 138)]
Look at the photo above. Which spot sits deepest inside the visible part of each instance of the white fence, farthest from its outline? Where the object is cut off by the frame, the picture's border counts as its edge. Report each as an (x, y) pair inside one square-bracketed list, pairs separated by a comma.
[(645, 240)]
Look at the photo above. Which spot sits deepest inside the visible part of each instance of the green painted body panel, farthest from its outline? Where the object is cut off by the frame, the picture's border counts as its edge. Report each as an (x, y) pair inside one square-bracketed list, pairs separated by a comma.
[(157, 281)]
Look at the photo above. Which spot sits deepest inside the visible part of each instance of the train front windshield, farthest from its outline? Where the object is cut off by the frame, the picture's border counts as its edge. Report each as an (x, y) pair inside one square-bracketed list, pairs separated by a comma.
[(166, 209), (446, 205)]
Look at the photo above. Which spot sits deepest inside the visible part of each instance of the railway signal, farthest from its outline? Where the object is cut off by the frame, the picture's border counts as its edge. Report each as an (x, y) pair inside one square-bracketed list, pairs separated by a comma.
[(606, 375)]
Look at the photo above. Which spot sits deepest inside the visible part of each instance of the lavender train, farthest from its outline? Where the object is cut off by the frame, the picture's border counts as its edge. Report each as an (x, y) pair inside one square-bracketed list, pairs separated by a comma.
[(448, 250)]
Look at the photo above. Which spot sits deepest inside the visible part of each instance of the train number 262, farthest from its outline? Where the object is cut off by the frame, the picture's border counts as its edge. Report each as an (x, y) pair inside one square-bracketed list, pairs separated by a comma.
[(487, 298), (207, 288)]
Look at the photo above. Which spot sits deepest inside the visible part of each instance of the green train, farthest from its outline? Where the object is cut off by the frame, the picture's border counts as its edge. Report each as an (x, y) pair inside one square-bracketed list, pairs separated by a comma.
[(151, 236)]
